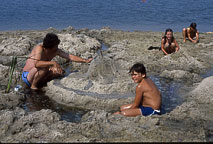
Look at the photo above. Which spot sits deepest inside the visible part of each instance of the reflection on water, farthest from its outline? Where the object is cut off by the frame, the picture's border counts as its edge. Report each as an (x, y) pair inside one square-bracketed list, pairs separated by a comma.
[(169, 90), (37, 100), (208, 74)]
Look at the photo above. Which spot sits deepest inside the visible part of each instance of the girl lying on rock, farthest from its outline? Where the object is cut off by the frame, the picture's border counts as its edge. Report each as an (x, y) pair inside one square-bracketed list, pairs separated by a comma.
[(169, 43)]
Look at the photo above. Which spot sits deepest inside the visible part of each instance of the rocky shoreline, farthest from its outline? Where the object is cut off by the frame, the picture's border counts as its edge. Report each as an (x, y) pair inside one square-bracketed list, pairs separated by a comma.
[(103, 85)]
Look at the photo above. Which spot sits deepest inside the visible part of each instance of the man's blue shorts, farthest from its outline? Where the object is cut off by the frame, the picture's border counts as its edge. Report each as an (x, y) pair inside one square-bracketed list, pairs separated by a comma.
[(148, 111), (24, 78)]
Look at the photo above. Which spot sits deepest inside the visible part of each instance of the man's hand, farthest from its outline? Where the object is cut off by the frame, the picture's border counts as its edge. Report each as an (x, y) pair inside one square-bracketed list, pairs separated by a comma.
[(116, 113), (56, 69), (89, 60)]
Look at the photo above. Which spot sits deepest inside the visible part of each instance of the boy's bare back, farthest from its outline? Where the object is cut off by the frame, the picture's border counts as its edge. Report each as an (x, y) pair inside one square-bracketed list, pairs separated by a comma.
[(151, 96)]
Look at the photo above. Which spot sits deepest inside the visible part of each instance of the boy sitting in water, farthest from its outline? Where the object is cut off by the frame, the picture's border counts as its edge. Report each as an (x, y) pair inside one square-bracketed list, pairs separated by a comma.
[(148, 98), (39, 69)]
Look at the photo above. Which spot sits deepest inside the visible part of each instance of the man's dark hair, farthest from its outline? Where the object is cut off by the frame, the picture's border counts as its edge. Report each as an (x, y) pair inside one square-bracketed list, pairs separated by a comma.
[(139, 68), (50, 40), (193, 25)]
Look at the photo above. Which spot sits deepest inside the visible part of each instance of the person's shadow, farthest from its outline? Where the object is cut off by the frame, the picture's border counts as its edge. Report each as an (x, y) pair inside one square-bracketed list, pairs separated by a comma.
[(153, 48)]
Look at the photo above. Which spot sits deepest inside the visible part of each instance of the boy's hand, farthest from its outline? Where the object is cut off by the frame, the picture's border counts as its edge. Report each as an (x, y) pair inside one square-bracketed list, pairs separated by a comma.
[(194, 41)]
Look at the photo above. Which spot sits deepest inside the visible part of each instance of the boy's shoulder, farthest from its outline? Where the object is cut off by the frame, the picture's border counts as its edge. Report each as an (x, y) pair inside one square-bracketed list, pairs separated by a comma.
[(188, 29)]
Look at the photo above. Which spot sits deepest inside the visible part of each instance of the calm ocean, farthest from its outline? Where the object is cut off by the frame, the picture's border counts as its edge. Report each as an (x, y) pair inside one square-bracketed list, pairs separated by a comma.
[(130, 15)]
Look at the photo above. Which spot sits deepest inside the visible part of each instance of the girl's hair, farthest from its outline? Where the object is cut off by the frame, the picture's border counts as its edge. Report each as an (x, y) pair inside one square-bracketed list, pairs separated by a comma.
[(164, 37), (50, 40), (139, 68), (193, 25)]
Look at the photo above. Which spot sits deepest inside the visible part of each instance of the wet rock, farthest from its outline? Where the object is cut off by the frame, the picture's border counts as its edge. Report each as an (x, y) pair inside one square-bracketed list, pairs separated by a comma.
[(182, 76), (4, 70), (10, 100), (15, 46), (78, 44), (203, 92)]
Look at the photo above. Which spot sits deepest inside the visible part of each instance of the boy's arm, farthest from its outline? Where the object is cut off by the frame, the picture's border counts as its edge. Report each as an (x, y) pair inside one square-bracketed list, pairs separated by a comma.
[(177, 46), (197, 36), (73, 57), (138, 97)]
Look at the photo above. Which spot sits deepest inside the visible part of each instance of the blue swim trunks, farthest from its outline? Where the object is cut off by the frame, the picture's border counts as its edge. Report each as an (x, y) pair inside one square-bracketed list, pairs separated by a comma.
[(24, 78), (148, 111)]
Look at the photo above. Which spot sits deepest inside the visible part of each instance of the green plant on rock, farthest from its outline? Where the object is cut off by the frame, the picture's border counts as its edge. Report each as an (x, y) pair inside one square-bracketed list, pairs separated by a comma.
[(12, 67)]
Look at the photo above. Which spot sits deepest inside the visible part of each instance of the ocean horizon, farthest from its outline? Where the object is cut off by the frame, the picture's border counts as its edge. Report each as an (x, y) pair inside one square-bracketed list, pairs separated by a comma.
[(128, 15)]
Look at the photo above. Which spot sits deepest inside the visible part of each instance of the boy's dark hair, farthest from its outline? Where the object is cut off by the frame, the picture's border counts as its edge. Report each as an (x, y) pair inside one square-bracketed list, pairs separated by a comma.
[(193, 25), (139, 68), (50, 40)]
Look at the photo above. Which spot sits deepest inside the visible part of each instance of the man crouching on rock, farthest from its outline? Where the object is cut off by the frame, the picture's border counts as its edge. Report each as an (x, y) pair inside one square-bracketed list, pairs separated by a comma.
[(39, 69), (148, 98)]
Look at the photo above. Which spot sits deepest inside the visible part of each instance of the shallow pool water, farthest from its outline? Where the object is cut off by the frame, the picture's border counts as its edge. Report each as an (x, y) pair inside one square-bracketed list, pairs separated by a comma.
[(170, 93), (37, 100), (208, 74)]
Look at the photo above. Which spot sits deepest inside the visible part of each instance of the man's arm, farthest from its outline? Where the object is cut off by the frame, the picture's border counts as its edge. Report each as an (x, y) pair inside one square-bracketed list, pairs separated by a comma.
[(51, 65), (40, 63), (73, 57)]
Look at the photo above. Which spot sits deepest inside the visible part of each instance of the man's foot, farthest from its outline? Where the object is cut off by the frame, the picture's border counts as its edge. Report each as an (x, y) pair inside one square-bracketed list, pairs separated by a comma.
[(184, 41), (34, 88), (117, 113)]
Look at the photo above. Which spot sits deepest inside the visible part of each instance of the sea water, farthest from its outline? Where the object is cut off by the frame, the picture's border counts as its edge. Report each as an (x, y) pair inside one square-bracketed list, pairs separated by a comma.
[(129, 15)]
